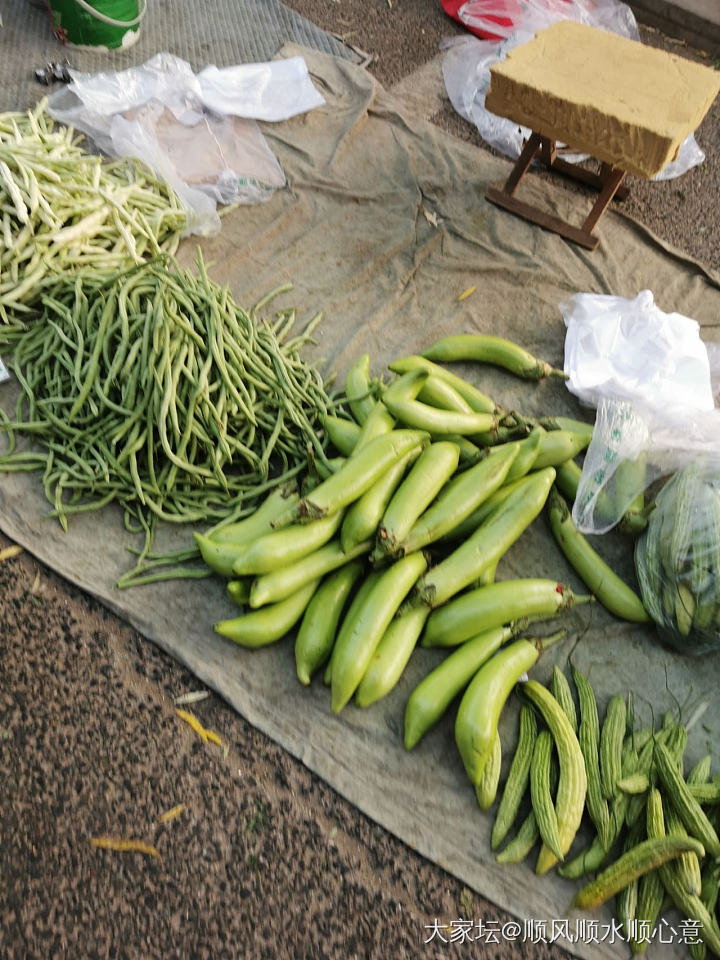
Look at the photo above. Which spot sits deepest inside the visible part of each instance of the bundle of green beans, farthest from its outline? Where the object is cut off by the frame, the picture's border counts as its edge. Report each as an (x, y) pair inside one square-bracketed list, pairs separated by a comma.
[(64, 209), (154, 389)]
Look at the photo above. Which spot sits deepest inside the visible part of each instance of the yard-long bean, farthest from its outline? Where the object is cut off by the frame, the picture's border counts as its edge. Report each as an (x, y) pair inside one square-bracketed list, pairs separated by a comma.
[(153, 388), (63, 209)]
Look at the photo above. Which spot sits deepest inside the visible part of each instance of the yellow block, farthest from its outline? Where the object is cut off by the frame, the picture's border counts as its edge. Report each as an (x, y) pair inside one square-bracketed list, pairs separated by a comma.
[(619, 100)]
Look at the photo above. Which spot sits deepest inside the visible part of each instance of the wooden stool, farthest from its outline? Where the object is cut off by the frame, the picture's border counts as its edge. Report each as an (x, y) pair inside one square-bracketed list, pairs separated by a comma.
[(608, 181), (627, 105)]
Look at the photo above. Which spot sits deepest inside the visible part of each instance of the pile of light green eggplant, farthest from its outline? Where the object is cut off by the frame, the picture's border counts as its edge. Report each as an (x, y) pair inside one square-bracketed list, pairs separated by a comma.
[(433, 484), (396, 542)]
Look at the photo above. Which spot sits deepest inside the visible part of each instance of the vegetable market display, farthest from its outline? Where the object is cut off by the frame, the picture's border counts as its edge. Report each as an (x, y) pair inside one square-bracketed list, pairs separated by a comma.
[(398, 547), (146, 385)]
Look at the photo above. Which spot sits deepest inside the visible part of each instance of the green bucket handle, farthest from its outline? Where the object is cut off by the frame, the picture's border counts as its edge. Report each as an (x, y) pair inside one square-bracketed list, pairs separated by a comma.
[(109, 20)]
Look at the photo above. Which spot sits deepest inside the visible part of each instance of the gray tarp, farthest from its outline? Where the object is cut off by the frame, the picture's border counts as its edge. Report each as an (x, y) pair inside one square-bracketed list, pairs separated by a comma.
[(354, 233)]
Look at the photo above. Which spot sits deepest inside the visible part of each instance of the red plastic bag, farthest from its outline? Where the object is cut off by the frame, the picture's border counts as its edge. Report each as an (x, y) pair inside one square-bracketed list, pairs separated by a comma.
[(452, 8), (497, 19)]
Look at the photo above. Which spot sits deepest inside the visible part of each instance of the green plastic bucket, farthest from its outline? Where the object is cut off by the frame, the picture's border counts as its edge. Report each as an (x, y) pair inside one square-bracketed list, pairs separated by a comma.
[(100, 24)]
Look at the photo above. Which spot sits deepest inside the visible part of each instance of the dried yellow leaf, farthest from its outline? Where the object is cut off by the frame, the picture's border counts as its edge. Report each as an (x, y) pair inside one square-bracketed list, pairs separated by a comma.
[(9, 552), (467, 293), (123, 844), (193, 722), (205, 735), (172, 813)]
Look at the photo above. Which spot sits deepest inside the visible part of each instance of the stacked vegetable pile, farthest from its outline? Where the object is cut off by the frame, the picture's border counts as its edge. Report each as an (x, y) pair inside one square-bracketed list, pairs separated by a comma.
[(64, 210), (400, 545), (430, 491), (655, 827), (154, 389)]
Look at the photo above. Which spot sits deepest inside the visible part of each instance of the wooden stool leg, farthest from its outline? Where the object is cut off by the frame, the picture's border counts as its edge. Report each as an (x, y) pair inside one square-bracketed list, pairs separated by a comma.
[(613, 178), (622, 191), (522, 163), (609, 181), (547, 152)]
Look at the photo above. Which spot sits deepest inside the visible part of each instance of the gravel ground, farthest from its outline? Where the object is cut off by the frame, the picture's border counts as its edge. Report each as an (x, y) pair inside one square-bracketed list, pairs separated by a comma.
[(264, 859)]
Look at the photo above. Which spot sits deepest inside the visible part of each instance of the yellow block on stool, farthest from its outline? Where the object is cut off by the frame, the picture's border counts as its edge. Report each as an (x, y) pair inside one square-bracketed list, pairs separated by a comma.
[(624, 103)]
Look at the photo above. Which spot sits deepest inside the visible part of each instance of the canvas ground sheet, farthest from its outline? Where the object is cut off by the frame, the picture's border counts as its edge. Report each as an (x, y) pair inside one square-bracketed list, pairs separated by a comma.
[(382, 226)]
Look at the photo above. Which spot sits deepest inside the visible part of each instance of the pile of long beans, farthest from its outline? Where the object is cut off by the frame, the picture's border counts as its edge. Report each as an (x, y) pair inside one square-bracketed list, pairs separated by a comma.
[(154, 389), (64, 209)]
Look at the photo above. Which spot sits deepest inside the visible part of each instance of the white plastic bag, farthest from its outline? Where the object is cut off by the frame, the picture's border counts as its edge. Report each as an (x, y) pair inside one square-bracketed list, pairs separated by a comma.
[(466, 71), (198, 132), (274, 91), (630, 349), (649, 375), (467, 63)]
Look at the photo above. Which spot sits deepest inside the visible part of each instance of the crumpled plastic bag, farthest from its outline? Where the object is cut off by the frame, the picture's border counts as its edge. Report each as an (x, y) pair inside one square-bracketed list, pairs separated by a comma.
[(649, 375), (467, 63), (196, 131), (502, 18), (630, 349)]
